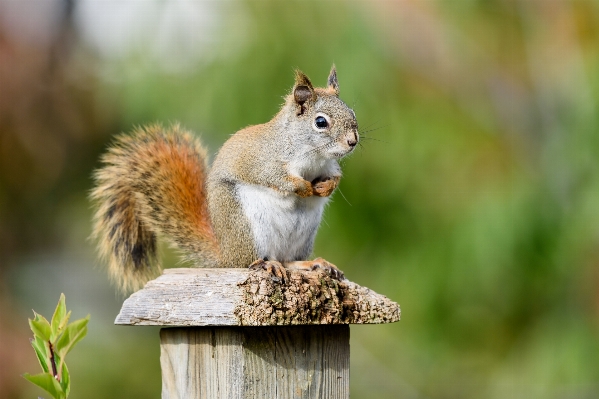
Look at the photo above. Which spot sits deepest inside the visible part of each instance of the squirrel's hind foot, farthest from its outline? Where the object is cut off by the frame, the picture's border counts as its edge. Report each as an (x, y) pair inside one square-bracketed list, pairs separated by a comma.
[(276, 269), (318, 263), (279, 272)]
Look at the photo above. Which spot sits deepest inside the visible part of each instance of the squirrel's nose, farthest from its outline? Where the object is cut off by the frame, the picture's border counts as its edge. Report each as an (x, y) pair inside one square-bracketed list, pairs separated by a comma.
[(352, 140)]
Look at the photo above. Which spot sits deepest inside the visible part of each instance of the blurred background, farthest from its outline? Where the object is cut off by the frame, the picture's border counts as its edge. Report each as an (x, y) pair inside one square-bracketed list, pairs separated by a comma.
[(473, 200)]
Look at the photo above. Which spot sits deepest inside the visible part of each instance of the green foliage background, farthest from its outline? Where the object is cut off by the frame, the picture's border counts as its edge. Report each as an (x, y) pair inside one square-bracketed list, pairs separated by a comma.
[(474, 203)]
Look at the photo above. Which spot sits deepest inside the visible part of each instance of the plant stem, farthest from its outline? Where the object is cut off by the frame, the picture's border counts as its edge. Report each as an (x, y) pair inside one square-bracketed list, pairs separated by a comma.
[(53, 361)]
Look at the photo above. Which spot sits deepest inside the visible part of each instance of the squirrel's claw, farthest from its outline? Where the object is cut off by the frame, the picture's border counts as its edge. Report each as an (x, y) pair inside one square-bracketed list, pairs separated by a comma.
[(275, 269), (328, 267), (318, 263)]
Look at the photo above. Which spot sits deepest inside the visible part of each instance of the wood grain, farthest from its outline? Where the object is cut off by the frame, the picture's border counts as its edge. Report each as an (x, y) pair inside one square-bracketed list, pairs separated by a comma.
[(306, 362)]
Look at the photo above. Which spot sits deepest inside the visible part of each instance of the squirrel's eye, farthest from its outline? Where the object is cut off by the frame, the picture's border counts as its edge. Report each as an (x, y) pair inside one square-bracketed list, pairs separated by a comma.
[(321, 122)]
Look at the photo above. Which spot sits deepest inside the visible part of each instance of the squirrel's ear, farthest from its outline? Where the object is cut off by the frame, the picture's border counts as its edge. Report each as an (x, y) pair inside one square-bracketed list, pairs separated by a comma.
[(302, 90), (332, 82)]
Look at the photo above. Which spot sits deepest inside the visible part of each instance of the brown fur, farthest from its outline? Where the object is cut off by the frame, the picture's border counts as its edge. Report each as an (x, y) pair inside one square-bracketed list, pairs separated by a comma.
[(326, 187), (155, 181), (152, 183)]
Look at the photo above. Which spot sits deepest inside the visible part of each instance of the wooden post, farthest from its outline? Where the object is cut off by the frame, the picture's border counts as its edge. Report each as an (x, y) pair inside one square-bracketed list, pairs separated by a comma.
[(255, 362), (241, 334)]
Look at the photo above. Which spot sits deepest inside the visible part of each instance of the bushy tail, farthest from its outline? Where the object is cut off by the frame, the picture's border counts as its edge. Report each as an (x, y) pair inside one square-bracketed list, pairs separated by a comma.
[(152, 182)]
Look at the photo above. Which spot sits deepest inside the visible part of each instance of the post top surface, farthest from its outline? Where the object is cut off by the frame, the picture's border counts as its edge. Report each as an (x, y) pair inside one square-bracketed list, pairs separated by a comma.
[(240, 297)]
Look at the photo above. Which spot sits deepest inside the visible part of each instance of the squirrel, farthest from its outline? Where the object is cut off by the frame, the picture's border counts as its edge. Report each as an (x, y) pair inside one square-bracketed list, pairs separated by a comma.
[(258, 205)]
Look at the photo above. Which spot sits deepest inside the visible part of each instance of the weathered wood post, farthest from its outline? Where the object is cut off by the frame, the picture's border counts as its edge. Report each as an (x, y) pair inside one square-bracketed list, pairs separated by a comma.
[(240, 334)]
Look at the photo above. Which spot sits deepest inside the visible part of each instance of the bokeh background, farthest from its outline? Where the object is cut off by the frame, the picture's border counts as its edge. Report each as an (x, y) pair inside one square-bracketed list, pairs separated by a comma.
[(473, 200)]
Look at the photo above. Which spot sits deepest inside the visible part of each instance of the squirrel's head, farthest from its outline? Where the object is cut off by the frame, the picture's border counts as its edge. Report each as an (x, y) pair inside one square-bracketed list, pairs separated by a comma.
[(326, 123)]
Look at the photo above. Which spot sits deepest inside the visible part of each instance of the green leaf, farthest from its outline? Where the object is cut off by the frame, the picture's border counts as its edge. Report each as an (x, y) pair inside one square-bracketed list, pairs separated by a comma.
[(58, 318), (64, 323), (65, 380), (48, 383), (72, 334), (41, 353), (40, 327)]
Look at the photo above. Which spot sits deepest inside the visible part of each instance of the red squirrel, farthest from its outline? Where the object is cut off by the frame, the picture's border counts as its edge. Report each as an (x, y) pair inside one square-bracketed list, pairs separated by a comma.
[(259, 205)]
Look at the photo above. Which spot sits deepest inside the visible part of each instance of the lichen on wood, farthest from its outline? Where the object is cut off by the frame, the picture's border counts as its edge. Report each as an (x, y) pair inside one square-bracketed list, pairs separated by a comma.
[(310, 297), (241, 297)]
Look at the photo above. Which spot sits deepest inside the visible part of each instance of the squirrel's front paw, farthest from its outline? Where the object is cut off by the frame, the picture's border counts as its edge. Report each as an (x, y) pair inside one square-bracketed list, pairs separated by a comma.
[(324, 188), (303, 188), (276, 269)]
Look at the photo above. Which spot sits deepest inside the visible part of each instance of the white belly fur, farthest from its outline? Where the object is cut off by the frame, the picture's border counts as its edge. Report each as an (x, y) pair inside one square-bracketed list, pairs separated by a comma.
[(283, 226)]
